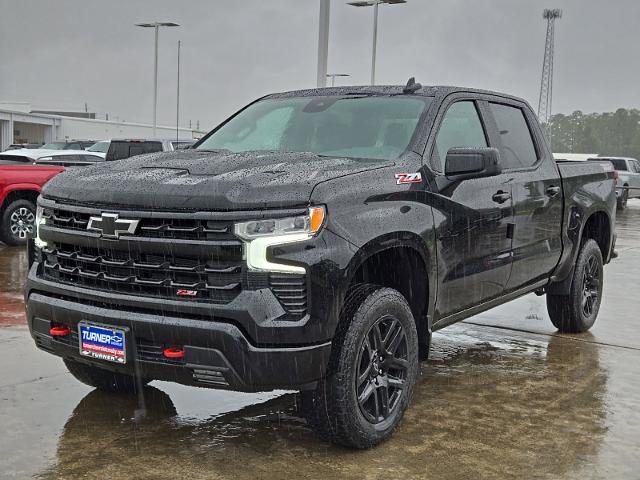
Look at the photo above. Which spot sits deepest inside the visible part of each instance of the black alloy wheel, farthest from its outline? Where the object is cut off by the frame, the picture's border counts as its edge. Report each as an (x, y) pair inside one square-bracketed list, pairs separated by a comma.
[(382, 365), (590, 285)]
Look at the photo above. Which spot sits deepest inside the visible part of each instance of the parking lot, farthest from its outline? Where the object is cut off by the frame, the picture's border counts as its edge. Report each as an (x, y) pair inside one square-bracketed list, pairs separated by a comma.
[(502, 396)]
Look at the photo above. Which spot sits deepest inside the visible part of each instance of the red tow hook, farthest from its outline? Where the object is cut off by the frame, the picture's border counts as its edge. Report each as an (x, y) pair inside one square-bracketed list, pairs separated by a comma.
[(59, 331), (173, 352)]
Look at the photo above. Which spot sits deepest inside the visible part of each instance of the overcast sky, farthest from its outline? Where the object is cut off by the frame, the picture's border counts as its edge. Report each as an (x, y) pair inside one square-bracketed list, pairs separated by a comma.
[(63, 53)]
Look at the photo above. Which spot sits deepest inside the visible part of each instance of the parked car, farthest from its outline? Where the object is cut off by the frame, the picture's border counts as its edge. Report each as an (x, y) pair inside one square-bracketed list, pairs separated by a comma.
[(313, 241), (20, 185), (68, 145), (22, 175), (65, 158), (628, 182), (18, 146), (126, 148)]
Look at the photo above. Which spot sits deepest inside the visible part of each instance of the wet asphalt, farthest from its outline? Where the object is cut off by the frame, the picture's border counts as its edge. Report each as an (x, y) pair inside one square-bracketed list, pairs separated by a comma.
[(503, 395)]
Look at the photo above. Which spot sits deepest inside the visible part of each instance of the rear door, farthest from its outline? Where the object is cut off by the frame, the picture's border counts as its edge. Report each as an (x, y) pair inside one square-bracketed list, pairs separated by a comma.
[(536, 190), (472, 216)]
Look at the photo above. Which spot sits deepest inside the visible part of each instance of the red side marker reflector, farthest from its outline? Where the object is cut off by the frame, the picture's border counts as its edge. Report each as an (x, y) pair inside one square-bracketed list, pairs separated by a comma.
[(59, 331), (173, 352)]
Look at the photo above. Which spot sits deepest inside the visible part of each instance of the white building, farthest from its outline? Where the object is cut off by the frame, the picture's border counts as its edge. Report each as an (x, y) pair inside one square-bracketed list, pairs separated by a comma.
[(17, 125)]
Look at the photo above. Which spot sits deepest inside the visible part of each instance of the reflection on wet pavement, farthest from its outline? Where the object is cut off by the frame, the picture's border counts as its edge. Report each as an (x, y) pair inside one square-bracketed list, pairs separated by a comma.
[(13, 271), (485, 406), (502, 396)]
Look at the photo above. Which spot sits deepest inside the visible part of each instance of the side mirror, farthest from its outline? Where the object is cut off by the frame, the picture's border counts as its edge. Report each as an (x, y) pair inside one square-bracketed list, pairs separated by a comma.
[(464, 163)]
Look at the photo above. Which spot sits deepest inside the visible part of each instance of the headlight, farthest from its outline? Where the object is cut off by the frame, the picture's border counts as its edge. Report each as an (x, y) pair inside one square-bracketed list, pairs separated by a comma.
[(308, 224), (40, 220), (261, 234)]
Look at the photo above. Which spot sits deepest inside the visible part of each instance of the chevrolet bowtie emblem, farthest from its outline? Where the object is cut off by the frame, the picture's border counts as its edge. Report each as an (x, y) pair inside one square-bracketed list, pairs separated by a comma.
[(110, 225)]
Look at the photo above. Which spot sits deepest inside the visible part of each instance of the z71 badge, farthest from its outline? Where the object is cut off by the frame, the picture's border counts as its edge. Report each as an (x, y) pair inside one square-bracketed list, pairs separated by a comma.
[(402, 178)]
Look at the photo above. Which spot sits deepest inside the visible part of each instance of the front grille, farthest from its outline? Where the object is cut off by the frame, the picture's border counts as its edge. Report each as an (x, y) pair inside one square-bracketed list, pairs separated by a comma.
[(291, 291), (150, 227), (216, 278), (177, 256)]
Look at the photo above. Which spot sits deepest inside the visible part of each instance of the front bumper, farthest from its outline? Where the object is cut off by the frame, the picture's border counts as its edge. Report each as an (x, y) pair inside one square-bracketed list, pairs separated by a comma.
[(217, 354), (219, 351)]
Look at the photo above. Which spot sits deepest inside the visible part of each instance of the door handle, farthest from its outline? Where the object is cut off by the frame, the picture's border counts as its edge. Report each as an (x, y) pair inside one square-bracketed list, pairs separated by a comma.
[(500, 196), (552, 191)]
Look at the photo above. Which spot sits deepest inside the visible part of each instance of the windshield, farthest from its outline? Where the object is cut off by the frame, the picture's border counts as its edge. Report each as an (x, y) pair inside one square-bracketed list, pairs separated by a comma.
[(372, 127), (54, 146), (102, 147)]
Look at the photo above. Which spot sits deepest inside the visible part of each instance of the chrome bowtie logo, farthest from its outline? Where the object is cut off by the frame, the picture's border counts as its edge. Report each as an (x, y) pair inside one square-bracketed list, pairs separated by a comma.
[(110, 225)]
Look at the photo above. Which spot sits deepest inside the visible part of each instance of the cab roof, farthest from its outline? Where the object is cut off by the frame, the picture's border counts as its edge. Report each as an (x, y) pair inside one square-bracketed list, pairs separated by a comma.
[(426, 91)]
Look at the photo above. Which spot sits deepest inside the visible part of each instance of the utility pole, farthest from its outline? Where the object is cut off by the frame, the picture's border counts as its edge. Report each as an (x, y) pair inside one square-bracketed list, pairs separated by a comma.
[(546, 82), (323, 42)]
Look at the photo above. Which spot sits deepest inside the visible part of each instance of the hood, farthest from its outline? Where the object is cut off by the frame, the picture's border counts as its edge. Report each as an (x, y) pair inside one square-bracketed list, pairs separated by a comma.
[(30, 152), (201, 180)]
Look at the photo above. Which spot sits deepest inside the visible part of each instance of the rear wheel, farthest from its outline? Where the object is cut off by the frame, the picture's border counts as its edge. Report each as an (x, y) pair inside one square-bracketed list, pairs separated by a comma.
[(101, 379), (18, 222), (577, 311), (372, 370)]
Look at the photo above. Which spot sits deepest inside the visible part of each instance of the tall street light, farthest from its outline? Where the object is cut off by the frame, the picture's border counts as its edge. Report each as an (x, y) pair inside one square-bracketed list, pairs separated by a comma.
[(374, 4), (156, 26), (333, 76)]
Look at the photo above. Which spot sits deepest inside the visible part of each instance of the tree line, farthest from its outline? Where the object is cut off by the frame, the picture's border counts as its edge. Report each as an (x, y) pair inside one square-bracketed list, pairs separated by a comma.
[(616, 134)]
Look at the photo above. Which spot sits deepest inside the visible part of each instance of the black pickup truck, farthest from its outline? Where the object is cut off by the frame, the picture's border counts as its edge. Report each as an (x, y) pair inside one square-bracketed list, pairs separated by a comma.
[(313, 241)]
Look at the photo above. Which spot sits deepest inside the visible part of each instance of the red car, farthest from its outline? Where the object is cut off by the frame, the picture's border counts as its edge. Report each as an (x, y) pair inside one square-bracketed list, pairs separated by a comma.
[(20, 185)]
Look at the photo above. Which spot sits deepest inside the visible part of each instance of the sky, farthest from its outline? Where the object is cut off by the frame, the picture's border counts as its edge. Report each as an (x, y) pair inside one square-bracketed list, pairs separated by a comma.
[(60, 54)]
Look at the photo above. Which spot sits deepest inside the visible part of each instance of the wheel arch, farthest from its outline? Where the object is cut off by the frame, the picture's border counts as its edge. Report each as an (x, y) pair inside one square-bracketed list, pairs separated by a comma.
[(598, 227), (20, 192), (387, 259)]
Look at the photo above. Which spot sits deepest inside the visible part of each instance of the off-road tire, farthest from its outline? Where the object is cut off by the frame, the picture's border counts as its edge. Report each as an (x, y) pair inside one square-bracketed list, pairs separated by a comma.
[(332, 409), (567, 312), (104, 380), (15, 207)]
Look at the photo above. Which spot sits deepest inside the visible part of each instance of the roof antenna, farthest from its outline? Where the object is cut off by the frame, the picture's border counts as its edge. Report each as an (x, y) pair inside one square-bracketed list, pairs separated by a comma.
[(412, 86)]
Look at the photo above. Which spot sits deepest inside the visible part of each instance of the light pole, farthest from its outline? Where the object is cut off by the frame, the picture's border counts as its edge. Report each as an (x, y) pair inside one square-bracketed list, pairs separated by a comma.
[(178, 98), (323, 42), (333, 76), (375, 4), (156, 26)]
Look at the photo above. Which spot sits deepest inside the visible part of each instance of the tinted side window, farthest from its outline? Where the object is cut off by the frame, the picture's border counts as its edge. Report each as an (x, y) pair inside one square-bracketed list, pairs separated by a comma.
[(618, 164), (136, 149), (151, 147), (517, 150), (460, 127)]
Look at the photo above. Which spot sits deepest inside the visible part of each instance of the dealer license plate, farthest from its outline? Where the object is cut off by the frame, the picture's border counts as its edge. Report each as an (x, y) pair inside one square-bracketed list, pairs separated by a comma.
[(102, 342)]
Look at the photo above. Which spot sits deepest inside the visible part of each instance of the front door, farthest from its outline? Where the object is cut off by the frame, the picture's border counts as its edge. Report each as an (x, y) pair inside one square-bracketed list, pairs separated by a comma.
[(473, 219)]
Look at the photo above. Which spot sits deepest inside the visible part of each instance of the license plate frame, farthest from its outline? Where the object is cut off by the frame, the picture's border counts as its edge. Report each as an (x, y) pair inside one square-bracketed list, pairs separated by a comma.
[(103, 342)]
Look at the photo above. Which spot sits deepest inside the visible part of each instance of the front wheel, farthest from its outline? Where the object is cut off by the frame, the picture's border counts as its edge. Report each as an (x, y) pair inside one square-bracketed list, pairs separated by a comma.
[(372, 371), (104, 380), (18, 222), (577, 311)]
